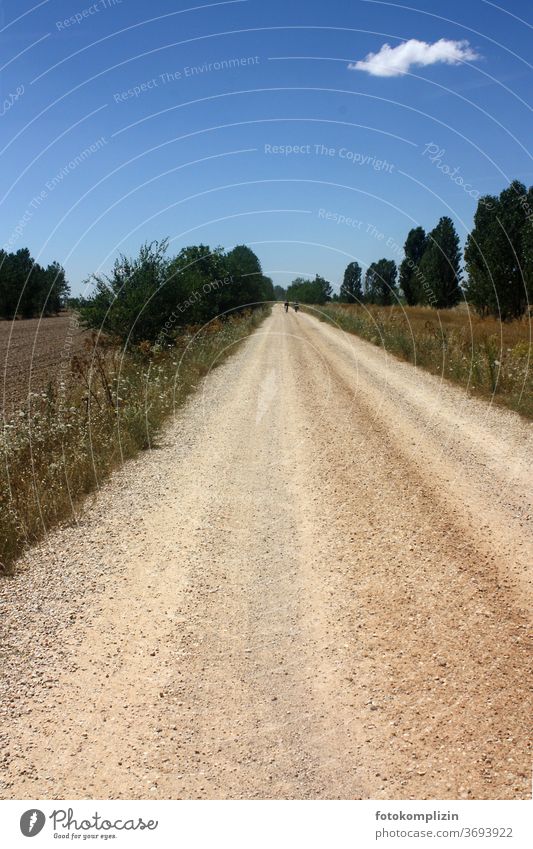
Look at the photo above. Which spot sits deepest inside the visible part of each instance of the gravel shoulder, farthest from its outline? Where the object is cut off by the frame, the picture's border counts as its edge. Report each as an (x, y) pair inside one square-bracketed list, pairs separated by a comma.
[(316, 586)]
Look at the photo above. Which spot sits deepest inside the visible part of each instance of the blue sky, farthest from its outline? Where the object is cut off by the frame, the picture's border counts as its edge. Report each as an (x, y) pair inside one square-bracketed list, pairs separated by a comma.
[(276, 143)]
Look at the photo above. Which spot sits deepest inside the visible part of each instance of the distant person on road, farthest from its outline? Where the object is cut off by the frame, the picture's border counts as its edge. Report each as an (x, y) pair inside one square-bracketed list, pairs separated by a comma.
[(296, 306), (286, 305)]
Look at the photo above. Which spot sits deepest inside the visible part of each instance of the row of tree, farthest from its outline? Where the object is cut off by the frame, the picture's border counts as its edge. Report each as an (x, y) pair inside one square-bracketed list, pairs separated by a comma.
[(27, 289), (316, 291), (430, 273), (498, 261), (152, 296), (141, 295), (498, 258)]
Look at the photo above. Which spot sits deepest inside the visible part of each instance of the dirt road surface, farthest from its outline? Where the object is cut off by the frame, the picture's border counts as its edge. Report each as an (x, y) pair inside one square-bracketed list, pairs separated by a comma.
[(316, 586)]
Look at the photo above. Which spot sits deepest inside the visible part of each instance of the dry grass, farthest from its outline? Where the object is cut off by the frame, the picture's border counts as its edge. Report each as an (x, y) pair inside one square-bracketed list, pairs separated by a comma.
[(488, 357), (71, 434)]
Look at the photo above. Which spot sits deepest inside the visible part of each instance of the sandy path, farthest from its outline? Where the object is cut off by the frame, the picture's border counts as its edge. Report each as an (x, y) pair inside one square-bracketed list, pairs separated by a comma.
[(315, 587)]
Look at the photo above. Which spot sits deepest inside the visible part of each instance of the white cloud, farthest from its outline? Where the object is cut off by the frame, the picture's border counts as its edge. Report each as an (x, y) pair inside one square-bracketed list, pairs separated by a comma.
[(393, 61)]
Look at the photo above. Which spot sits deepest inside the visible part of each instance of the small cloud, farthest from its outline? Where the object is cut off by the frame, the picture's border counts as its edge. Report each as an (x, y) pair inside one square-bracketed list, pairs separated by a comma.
[(394, 61)]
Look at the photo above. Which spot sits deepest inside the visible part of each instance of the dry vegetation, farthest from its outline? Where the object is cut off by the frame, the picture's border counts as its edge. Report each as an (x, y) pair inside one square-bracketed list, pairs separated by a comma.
[(92, 410), (489, 357)]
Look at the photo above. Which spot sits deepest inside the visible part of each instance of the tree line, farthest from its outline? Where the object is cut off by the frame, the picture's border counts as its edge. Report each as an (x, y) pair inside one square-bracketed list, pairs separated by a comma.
[(498, 260), (28, 289), (144, 294), (316, 291), (153, 296)]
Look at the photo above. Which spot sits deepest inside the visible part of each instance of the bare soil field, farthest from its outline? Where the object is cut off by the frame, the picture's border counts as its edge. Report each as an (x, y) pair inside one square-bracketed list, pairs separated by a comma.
[(317, 586), (489, 358), (33, 352)]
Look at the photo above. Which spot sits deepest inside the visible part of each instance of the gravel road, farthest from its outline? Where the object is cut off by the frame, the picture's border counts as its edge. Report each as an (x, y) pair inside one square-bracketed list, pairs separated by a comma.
[(316, 586)]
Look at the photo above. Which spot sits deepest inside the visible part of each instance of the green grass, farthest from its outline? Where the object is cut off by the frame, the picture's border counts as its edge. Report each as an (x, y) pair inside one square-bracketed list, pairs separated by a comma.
[(66, 441), (491, 359)]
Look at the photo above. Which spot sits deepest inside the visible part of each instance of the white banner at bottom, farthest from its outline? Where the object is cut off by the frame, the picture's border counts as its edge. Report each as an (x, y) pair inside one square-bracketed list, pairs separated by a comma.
[(267, 824)]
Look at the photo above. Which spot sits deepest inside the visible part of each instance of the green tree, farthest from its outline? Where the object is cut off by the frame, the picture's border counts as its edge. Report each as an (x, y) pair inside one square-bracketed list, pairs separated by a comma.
[(128, 302), (440, 266), (249, 285), (480, 289), (30, 282), (301, 289), (324, 288), (151, 297), (16, 270), (351, 289), (51, 289), (415, 245), (316, 291), (55, 290), (29, 289), (380, 282), (280, 293), (527, 247), (198, 286), (268, 289)]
